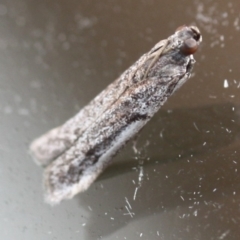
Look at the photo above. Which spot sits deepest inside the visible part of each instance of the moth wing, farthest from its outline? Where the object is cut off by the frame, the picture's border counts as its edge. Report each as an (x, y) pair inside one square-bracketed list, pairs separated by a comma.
[(53, 143), (159, 45)]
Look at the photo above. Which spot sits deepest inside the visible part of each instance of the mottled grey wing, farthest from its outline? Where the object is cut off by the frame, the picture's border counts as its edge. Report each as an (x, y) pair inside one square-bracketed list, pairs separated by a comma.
[(52, 144)]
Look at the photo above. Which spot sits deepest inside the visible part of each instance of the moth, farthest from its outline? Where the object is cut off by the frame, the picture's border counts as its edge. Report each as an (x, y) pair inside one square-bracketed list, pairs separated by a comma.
[(75, 153)]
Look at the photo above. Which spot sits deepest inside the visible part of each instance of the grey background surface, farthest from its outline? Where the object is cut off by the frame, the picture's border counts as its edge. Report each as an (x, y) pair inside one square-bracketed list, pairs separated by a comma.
[(183, 180)]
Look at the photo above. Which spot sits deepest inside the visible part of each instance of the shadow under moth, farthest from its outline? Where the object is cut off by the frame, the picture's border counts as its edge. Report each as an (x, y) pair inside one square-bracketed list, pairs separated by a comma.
[(75, 153)]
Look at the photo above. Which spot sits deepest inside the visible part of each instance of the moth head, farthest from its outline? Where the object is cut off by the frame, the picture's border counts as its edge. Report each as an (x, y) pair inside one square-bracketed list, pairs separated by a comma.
[(190, 38)]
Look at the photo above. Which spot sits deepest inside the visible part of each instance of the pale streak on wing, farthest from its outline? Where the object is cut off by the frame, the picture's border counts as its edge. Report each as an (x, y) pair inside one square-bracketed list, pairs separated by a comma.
[(52, 144), (79, 166)]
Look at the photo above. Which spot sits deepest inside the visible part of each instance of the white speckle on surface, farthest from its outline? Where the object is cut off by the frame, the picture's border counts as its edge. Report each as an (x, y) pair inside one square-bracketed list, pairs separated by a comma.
[(223, 235), (89, 208), (236, 24), (183, 216), (215, 189), (134, 147), (225, 15), (211, 96), (140, 234), (84, 22), (129, 212), (84, 224), (195, 213), (181, 170), (135, 193), (229, 131), (225, 83), (182, 198), (195, 125), (140, 176), (161, 134), (128, 203), (158, 233)]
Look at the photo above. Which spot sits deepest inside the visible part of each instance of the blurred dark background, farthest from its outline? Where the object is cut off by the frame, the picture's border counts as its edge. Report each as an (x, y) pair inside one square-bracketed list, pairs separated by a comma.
[(179, 179)]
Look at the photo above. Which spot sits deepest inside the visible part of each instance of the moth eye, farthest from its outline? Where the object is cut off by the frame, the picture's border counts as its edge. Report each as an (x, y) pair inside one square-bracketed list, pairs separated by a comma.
[(196, 33), (189, 46), (180, 28)]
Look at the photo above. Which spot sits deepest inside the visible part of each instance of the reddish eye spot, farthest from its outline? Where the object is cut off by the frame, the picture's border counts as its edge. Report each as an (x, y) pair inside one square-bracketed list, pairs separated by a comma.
[(189, 46)]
